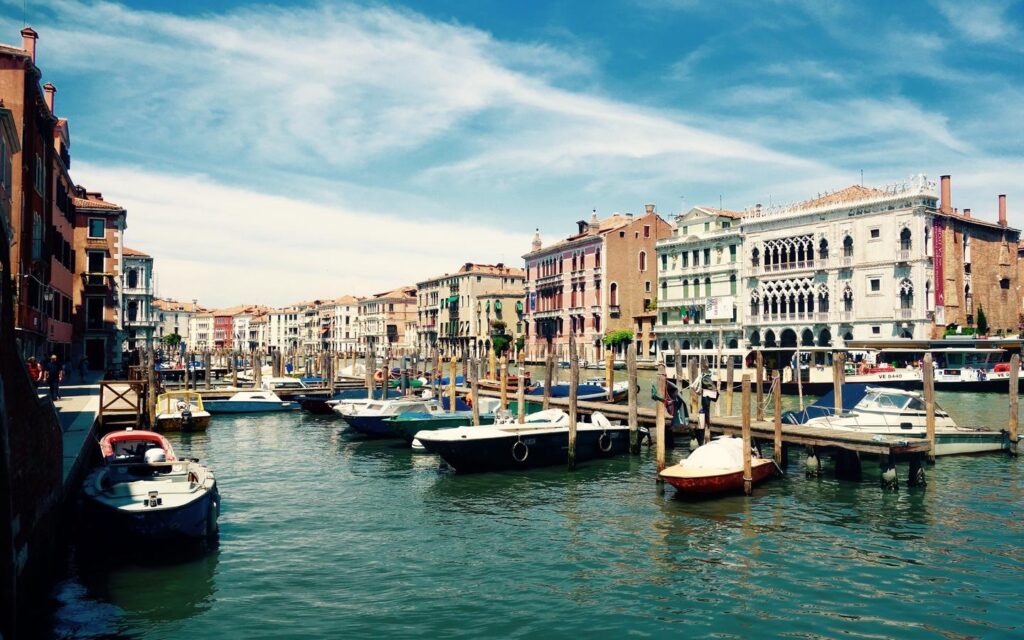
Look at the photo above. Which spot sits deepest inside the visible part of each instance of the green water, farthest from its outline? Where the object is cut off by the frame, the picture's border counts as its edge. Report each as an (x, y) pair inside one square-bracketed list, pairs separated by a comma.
[(324, 535)]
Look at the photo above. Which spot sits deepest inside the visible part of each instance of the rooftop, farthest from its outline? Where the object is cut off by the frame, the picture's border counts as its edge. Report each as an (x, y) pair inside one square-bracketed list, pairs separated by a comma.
[(173, 305), (609, 224), (94, 200), (136, 253)]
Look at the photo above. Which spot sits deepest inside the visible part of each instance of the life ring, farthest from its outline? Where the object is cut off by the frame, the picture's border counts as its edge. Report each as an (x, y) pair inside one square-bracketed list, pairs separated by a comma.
[(520, 451), (604, 442), (378, 376)]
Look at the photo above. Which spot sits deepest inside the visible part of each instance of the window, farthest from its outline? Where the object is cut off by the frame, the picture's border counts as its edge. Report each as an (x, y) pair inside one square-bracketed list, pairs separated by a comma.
[(613, 294), (726, 224), (875, 284), (876, 233), (664, 318), (905, 239), (97, 228), (847, 247), (686, 289), (685, 260), (707, 256), (732, 284), (1004, 283), (664, 261), (647, 286), (686, 230), (643, 261), (732, 253), (696, 257), (875, 330), (647, 231), (133, 278), (40, 176), (37, 236), (707, 226)]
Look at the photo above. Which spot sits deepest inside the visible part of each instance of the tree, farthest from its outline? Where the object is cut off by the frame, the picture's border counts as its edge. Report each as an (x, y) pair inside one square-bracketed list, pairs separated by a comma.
[(982, 323), (499, 341), (172, 340), (520, 343), (619, 337)]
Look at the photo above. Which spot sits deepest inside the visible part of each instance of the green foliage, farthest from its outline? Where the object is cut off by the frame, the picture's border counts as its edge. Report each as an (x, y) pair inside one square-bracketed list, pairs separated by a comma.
[(498, 326), (500, 343), (653, 304), (172, 340), (615, 338), (982, 322), (520, 343)]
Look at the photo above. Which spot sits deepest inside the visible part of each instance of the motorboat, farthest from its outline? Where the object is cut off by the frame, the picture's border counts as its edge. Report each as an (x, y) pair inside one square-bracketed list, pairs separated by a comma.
[(717, 467), (283, 383), (324, 405), (370, 419), (250, 402), (896, 412), (542, 441), (511, 382), (181, 411), (407, 425), (591, 390), (143, 490)]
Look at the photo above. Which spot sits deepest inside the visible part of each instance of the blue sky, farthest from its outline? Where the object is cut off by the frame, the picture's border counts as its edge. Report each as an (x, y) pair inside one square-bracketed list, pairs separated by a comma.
[(277, 152)]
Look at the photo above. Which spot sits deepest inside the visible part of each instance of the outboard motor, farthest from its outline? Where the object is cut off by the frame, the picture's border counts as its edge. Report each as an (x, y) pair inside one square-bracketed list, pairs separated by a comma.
[(186, 418), (155, 455)]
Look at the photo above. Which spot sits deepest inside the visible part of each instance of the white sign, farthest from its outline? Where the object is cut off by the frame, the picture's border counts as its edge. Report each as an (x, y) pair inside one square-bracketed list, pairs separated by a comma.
[(719, 308)]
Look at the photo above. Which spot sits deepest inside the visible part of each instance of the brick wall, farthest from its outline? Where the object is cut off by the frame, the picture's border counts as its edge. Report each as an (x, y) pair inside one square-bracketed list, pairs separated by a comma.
[(994, 275)]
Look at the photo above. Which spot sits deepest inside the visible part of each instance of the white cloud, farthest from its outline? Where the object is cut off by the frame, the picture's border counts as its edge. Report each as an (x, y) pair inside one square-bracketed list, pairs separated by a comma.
[(225, 245), (981, 21)]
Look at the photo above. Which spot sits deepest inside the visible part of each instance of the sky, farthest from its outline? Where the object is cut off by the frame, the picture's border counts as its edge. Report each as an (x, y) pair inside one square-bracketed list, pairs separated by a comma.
[(276, 152)]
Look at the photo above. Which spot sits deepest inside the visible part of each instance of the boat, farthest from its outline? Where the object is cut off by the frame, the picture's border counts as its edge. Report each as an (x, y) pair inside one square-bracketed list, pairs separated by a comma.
[(369, 419), (716, 467), (324, 405), (511, 382), (897, 412), (590, 390), (181, 411), (542, 441), (250, 402), (407, 425), (143, 490), (283, 383)]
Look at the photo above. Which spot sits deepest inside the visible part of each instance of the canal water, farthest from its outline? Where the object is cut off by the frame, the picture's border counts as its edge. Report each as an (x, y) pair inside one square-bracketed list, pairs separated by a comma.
[(326, 535)]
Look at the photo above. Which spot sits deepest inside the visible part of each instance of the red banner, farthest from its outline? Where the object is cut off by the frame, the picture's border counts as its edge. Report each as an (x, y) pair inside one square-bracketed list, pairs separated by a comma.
[(938, 227)]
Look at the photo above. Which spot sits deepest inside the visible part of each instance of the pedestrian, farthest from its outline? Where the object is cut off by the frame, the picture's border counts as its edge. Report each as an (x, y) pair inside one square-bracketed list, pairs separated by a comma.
[(35, 372), (54, 375)]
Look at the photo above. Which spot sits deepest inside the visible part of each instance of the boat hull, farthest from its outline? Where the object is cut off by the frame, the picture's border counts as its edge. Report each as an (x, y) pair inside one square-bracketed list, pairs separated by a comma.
[(175, 423), (713, 484), (407, 429), (372, 426), (191, 520), (226, 406), (542, 449)]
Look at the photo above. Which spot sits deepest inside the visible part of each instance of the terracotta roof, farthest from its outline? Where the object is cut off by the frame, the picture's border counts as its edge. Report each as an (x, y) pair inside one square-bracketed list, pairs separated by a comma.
[(345, 300), (492, 269), (853, 193), (174, 305), (725, 213), (13, 51), (239, 310), (136, 253), (95, 203), (400, 292)]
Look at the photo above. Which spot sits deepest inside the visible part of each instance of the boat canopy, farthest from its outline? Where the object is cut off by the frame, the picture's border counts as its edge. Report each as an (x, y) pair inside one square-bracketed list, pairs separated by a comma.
[(133, 444), (853, 392)]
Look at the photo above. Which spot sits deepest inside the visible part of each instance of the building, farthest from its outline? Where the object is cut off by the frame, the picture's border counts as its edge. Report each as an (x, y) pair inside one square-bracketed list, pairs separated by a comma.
[(864, 264), (141, 317), (9, 146), (60, 238), (98, 296), (340, 318), (31, 220), (283, 328), (699, 275), (384, 320), (454, 311), (601, 279), (200, 329), (173, 318), (258, 327)]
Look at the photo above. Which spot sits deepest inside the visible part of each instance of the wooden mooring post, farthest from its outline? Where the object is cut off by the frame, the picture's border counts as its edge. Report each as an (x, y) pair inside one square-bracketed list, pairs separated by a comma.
[(748, 479), (474, 390), (659, 428), (928, 378), (1014, 418), (452, 368), (779, 450), (368, 368), (549, 374), (760, 386), (208, 370), (234, 369), (837, 381), (503, 388), (257, 369), (521, 390), (632, 416), (609, 373), (730, 374), (691, 375), (574, 381), (150, 387)]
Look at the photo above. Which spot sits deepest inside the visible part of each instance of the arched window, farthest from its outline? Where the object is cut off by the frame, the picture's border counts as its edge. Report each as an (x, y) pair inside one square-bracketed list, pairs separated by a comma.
[(906, 294), (708, 344), (643, 261), (133, 278), (755, 338), (847, 299), (707, 286), (613, 294), (664, 290), (847, 247), (905, 239), (928, 295), (755, 257), (732, 284), (686, 289), (823, 249), (133, 310)]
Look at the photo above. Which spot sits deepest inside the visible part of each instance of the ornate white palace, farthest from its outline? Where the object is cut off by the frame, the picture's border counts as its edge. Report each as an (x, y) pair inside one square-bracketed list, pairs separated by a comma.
[(853, 264)]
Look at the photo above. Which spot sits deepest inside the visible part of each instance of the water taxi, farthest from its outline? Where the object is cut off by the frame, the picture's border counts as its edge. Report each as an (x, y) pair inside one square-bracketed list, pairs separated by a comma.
[(181, 411)]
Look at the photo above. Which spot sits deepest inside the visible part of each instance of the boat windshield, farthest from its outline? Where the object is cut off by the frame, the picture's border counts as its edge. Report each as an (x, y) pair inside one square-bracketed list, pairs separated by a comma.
[(883, 400)]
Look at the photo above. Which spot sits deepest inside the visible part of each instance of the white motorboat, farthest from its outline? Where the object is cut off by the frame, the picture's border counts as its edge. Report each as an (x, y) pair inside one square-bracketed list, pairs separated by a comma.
[(181, 411), (895, 412), (371, 418), (250, 402)]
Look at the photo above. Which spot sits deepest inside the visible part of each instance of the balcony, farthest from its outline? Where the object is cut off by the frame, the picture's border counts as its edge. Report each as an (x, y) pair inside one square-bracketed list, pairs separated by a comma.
[(796, 316), (548, 280), (595, 309), (903, 314), (846, 262), (139, 323), (614, 310), (798, 265), (846, 316), (903, 255), (551, 313), (97, 279)]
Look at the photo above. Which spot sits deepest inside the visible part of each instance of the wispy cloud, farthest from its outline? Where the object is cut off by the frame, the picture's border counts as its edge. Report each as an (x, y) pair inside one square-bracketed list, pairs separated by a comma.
[(985, 21)]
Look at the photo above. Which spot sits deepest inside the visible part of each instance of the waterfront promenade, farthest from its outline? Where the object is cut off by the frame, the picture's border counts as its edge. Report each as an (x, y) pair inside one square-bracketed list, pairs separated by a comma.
[(77, 410)]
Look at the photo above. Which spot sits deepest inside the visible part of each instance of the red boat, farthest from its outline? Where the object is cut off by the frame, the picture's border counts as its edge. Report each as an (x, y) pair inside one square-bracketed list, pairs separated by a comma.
[(716, 467), (512, 385), (131, 446)]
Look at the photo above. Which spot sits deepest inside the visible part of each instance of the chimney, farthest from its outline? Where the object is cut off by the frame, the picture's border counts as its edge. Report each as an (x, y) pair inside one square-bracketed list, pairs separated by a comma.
[(536, 245), (945, 201), (648, 209), (595, 224), (51, 91), (1002, 210), (629, 216), (967, 213), (28, 42)]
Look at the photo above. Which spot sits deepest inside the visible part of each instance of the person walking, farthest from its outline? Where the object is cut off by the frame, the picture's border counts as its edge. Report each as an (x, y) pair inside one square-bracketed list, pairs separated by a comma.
[(54, 373)]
